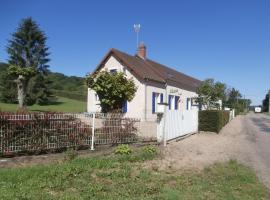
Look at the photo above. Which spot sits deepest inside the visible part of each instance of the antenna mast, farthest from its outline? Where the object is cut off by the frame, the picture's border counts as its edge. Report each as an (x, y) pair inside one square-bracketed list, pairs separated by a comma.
[(137, 28)]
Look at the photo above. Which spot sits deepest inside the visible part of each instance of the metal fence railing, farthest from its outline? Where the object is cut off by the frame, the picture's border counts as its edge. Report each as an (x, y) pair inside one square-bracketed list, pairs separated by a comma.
[(38, 132)]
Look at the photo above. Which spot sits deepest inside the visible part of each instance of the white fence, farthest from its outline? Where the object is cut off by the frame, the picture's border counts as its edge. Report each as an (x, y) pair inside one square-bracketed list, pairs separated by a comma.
[(177, 123), (40, 132)]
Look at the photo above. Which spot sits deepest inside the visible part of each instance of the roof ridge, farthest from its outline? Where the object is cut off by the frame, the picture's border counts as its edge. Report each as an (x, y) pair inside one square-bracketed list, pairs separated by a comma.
[(152, 70)]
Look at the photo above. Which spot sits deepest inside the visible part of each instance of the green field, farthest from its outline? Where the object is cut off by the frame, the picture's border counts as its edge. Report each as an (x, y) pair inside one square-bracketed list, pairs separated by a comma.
[(61, 105), (124, 177)]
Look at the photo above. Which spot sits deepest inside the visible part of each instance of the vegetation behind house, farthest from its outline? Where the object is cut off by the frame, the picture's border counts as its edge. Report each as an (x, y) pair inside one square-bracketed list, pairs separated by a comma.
[(71, 87)]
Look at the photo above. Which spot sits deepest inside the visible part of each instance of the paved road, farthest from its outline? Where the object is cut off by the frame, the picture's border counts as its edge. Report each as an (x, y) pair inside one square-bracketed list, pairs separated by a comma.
[(257, 130)]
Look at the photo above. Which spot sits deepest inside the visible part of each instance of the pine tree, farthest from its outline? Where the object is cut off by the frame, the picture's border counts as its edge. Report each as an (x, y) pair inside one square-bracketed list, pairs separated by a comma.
[(28, 57), (8, 93)]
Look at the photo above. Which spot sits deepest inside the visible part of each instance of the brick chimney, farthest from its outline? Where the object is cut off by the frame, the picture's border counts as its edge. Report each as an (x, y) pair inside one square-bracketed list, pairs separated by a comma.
[(142, 51)]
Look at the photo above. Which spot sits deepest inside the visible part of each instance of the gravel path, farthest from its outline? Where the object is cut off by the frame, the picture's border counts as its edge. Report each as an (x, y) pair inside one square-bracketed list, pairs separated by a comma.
[(246, 139)]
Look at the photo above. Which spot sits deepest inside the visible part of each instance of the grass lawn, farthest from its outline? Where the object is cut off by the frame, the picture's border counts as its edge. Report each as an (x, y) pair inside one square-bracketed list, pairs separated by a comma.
[(62, 105), (123, 177)]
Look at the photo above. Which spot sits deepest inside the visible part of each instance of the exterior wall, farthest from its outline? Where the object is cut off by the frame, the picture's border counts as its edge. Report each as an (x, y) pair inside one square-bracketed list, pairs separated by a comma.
[(135, 107), (150, 88), (141, 106), (183, 94)]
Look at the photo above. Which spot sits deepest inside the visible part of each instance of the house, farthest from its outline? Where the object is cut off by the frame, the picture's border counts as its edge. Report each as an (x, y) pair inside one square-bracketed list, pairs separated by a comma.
[(156, 83)]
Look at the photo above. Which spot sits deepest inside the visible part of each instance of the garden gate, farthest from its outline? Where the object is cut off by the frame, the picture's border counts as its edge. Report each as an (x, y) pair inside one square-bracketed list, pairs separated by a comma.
[(177, 123)]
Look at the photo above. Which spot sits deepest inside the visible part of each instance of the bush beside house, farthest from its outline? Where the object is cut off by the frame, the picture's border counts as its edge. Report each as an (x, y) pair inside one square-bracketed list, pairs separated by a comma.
[(213, 120)]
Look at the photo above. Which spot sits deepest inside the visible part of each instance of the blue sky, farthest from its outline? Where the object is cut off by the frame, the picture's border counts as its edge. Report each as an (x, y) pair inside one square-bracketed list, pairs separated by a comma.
[(227, 40)]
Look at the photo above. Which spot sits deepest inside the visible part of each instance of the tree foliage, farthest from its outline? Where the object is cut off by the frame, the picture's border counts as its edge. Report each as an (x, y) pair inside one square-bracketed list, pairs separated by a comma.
[(236, 101), (265, 103), (210, 92), (56, 84), (113, 89), (8, 92), (28, 57)]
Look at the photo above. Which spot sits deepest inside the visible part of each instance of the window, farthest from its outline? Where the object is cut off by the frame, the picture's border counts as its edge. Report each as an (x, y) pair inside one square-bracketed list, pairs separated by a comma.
[(188, 103), (176, 103), (173, 102), (113, 71), (96, 97), (156, 98)]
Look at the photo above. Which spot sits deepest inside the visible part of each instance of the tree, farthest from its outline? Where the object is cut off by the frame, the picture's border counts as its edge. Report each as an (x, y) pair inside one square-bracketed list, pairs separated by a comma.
[(7, 85), (234, 96), (210, 92), (28, 56), (113, 90), (266, 103)]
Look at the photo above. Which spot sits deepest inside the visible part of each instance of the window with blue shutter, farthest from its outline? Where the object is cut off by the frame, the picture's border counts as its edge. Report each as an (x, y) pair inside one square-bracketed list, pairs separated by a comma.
[(124, 108), (161, 98), (176, 102), (153, 102), (188, 103), (170, 102)]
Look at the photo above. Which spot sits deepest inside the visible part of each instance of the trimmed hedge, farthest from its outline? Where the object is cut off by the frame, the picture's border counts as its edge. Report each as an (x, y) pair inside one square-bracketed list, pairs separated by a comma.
[(213, 120)]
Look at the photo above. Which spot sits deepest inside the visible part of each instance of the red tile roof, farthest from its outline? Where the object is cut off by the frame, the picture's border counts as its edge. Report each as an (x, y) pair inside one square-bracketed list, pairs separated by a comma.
[(146, 69)]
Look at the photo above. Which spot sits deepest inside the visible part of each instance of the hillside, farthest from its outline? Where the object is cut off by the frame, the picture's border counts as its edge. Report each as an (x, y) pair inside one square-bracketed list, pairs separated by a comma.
[(71, 87)]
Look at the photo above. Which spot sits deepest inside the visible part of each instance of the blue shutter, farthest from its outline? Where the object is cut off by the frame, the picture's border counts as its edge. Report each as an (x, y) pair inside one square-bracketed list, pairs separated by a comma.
[(176, 102), (170, 99), (124, 108), (153, 102), (187, 103), (161, 98)]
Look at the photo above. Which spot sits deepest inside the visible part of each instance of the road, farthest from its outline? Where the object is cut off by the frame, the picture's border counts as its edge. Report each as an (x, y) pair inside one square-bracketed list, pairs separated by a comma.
[(257, 130)]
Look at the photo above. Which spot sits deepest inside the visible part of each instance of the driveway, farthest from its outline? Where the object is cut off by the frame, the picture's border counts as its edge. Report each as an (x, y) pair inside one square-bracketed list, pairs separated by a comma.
[(246, 139)]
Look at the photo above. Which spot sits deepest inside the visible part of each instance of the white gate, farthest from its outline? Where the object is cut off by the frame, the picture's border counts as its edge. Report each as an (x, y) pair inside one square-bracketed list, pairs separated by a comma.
[(178, 123)]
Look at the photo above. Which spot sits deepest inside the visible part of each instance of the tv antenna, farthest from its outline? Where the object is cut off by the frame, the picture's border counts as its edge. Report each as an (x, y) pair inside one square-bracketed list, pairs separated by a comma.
[(137, 28)]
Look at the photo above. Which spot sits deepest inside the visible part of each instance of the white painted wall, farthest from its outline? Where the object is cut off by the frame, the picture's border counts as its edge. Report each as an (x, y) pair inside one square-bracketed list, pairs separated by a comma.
[(135, 108), (141, 106)]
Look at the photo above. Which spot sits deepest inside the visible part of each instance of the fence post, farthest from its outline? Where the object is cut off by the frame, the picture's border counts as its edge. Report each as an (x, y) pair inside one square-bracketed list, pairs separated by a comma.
[(93, 132)]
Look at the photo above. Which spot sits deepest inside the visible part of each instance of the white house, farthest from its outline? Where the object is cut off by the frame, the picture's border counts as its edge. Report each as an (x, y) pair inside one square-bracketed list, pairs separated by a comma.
[(156, 83)]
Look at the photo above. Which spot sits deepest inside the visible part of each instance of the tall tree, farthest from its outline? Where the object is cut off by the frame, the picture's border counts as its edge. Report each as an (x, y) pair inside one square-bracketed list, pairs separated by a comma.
[(234, 96), (266, 103), (7, 85), (210, 92), (28, 55)]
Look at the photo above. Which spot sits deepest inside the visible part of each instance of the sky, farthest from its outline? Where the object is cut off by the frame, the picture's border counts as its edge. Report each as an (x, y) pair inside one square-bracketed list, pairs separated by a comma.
[(228, 40)]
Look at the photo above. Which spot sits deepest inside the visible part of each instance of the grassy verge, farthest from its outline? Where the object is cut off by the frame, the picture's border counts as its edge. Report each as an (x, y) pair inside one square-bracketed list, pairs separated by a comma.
[(123, 177), (61, 105)]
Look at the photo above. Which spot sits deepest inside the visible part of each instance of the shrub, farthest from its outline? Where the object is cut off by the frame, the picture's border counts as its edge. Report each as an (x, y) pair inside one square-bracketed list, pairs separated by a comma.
[(150, 149), (123, 149), (226, 117), (70, 154), (213, 120), (41, 132)]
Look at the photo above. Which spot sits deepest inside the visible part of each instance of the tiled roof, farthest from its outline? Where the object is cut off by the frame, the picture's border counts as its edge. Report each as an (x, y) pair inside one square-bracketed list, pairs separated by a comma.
[(146, 69)]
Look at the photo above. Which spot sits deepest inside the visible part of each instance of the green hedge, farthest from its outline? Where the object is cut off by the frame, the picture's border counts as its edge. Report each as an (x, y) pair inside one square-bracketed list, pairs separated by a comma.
[(213, 120)]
